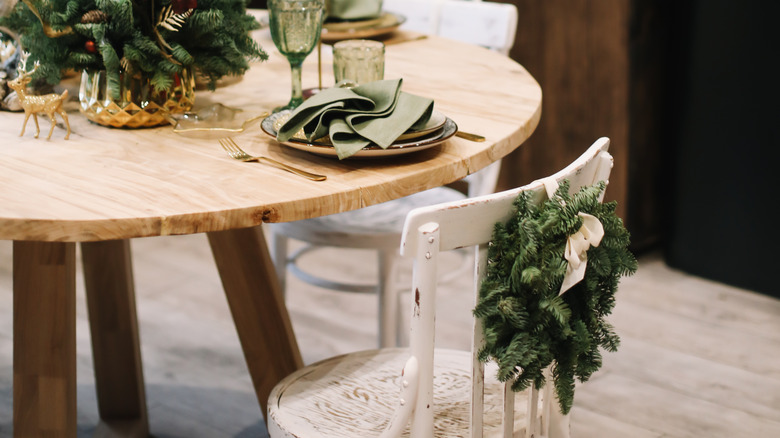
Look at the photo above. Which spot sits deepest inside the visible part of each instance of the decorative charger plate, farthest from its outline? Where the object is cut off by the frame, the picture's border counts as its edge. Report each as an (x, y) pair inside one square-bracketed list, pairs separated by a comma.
[(322, 146), (372, 27)]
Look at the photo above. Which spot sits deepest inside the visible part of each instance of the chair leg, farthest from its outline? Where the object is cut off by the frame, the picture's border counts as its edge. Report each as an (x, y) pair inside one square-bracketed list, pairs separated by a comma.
[(279, 247), (387, 294)]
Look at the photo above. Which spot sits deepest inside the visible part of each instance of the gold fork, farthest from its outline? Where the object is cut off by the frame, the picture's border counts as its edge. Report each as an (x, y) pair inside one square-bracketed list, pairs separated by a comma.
[(235, 152)]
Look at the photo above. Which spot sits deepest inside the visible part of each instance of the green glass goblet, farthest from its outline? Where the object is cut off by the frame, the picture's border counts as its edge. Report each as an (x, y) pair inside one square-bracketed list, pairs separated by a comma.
[(295, 29)]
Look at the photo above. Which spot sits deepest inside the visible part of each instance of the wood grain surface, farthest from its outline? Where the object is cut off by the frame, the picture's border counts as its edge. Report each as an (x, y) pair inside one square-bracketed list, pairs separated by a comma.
[(578, 51), (44, 350), (107, 183)]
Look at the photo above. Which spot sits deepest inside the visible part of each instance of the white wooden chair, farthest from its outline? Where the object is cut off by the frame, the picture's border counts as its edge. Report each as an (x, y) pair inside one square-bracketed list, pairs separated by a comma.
[(487, 24), (379, 227), (447, 394)]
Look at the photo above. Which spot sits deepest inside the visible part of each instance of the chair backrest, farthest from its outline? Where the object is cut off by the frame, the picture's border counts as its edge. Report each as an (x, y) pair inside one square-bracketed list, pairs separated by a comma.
[(488, 24), (460, 224)]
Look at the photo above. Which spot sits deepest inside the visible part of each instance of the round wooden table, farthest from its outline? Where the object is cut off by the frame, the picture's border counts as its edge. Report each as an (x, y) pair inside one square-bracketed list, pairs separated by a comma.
[(105, 186)]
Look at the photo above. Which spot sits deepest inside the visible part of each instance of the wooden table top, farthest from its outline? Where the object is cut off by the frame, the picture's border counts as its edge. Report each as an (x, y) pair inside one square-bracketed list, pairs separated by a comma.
[(107, 183)]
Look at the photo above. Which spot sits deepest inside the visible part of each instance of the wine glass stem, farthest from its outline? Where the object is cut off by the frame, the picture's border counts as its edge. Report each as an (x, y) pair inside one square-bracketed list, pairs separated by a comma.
[(297, 90)]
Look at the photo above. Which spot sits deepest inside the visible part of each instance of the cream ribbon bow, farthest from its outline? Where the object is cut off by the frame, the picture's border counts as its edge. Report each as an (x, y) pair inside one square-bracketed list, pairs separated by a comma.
[(577, 245), (590, 234)]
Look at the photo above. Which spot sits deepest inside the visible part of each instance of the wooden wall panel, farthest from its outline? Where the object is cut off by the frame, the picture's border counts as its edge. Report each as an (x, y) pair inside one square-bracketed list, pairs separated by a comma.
[(578, 50)]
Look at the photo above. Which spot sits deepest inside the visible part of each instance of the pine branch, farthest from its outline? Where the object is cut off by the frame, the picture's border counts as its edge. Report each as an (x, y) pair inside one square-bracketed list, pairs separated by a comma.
[(527, 325), (213, 38)]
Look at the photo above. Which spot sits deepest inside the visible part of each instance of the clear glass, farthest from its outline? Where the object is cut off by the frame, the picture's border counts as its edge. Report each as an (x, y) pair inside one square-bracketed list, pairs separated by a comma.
[(214, 121), (295, 29), (357, 62)]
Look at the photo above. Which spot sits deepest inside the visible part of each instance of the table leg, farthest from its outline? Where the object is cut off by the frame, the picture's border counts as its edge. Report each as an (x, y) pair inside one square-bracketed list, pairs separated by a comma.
[(44, 284), (257, 306), (119, 381)]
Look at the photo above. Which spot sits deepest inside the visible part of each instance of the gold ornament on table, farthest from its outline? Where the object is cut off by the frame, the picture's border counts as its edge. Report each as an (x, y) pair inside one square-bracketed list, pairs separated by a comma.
[(138, 104), (48, 104)]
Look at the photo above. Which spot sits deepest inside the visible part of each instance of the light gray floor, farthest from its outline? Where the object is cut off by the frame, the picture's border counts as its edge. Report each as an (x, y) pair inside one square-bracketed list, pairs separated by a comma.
[(698, 358)]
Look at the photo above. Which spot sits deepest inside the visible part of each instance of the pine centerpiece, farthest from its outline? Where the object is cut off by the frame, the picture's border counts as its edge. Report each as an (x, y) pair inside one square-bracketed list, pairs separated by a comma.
[(157, 37)]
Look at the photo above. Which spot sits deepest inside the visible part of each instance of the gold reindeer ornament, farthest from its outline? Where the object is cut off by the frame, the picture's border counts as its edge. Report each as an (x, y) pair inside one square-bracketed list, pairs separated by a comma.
[(33, 105)]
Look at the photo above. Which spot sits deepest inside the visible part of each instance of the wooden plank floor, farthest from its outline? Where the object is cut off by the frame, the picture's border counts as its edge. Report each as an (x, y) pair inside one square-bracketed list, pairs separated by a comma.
[(698, 358)]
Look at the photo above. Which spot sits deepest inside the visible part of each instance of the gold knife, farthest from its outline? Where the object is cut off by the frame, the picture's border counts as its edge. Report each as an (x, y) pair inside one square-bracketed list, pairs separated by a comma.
[(470, 136)]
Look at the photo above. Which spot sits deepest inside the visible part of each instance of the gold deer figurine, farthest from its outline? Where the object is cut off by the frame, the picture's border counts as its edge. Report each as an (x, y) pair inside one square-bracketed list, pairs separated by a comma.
[(33, 105)]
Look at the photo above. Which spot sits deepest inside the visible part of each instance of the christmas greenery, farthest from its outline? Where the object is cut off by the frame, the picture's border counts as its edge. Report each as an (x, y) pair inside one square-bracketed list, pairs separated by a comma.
[(157, 37), (528, 326)]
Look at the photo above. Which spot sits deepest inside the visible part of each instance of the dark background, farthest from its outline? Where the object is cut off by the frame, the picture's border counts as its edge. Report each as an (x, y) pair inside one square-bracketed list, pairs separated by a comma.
[(724, 137), (687, 91)]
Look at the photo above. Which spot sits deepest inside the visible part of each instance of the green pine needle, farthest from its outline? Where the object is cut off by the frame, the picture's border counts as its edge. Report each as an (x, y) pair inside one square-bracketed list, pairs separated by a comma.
[(527, 325), (214, 40)]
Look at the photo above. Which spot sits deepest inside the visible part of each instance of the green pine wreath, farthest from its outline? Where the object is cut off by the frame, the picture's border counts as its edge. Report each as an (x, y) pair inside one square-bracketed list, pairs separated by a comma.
[(528, 326)]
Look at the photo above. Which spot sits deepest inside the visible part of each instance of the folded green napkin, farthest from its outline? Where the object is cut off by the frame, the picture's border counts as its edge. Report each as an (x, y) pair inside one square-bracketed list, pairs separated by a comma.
[(376, 112), (353, 9)]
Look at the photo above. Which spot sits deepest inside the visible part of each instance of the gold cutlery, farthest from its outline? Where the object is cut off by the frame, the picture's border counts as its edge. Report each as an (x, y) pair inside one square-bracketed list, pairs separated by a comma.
[(470, 136), (235, 152)]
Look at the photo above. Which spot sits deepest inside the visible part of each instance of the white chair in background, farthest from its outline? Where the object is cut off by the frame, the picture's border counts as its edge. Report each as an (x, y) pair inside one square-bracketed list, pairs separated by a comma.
[(446, 391), (420, 16), (378, 227), (487, 24)]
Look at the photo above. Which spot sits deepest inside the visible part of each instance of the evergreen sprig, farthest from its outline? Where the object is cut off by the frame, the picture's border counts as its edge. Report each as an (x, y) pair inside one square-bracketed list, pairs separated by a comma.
[(528, 326), (213, 38)]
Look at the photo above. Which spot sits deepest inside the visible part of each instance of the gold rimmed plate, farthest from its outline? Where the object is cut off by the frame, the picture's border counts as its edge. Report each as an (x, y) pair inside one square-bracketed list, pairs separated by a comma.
[(372, 27), (347, 25), (323, 146)]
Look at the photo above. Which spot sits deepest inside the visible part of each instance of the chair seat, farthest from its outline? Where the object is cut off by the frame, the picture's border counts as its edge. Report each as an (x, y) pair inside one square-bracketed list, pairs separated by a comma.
[(367, 227), (356, 395)]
